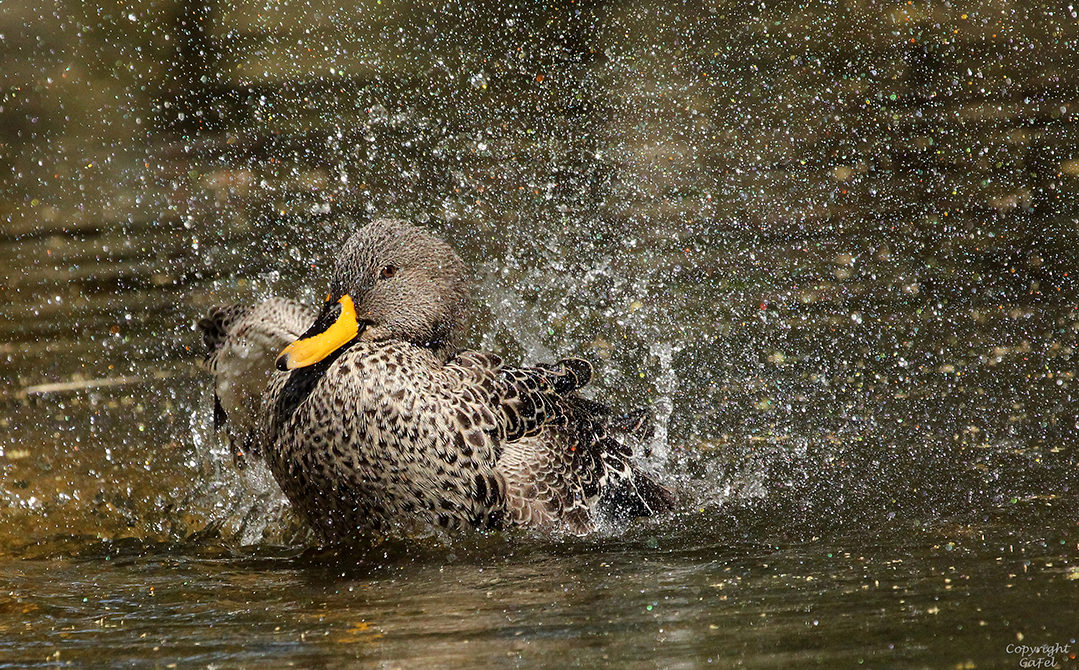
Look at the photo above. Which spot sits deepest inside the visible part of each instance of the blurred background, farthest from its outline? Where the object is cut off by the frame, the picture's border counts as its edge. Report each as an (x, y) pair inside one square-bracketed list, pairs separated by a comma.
[(832, 245)]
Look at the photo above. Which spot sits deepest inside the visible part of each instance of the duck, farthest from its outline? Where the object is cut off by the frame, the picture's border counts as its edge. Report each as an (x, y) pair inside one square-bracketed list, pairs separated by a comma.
[(372, 420)]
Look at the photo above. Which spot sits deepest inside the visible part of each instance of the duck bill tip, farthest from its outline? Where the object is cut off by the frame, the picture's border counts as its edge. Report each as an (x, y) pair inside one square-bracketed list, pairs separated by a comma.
[(284, 362)]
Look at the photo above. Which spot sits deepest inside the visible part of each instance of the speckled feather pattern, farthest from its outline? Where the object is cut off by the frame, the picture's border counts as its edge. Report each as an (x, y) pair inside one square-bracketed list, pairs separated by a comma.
[(392, 432), (391, 435)]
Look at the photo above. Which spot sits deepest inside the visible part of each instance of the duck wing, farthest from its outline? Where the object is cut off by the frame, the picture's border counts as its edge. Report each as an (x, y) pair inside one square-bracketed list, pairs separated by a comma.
[(242, 343), (563, 458)]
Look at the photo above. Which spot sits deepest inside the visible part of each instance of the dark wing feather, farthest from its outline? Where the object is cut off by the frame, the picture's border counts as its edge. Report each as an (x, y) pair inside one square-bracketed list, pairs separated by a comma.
[(562, 455), (217, 324)]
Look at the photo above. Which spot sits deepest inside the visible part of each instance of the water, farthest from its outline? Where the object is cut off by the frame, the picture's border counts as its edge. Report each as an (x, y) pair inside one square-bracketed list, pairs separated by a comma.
[(937, 598), (833, 248)]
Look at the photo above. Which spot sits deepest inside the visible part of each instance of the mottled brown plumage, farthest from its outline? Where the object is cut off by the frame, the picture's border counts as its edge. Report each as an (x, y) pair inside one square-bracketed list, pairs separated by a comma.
[(393, 430)]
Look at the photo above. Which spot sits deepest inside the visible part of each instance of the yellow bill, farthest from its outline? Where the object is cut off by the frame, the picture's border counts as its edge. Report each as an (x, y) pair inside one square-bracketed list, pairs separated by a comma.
[(312, 348)]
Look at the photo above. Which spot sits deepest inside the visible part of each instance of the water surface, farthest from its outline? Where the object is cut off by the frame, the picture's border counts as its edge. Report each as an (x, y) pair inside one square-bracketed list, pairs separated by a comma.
[(832, 246)]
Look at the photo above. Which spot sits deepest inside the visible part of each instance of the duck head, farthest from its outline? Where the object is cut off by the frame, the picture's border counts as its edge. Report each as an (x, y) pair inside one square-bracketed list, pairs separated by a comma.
[(392, 281)]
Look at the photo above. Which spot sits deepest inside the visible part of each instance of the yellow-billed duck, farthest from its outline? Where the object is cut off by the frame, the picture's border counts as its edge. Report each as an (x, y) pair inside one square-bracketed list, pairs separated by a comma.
[(371, 419)]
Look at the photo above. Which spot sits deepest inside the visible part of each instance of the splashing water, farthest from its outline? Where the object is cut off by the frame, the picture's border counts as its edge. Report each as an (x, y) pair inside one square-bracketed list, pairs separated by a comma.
[(666, 385), (831, 246)]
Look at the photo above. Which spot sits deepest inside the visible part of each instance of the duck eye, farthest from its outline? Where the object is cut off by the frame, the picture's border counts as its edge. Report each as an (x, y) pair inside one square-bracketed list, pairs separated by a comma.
[(387, 272)]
